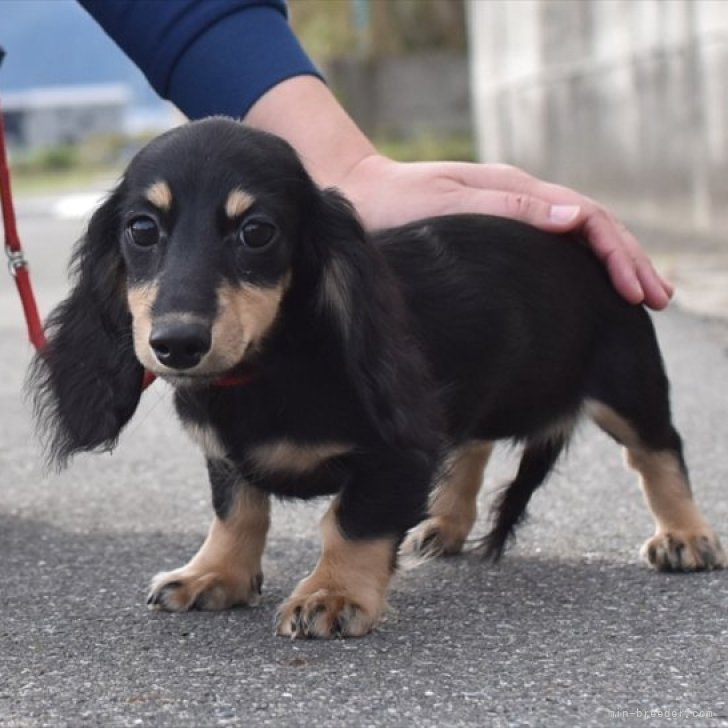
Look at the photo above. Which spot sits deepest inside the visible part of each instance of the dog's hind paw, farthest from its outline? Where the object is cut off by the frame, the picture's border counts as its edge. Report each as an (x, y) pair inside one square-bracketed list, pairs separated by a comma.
[(183, 589), (436, 536), (684, 551)]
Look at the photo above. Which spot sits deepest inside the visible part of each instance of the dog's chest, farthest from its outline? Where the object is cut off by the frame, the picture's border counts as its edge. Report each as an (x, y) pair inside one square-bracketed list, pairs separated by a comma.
[(206, 437), (302, 455), (275, 455)]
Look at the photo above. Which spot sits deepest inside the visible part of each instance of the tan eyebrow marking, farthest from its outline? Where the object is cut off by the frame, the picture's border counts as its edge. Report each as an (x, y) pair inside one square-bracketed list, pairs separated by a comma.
[(160, 195), (238, 202)]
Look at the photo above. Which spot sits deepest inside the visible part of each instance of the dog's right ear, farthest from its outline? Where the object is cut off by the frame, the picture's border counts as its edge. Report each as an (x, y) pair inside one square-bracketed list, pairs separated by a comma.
[(363, 303), (86, 382)]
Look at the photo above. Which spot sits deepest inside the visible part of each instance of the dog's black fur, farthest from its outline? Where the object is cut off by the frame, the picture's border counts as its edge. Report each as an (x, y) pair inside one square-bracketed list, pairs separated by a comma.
[(405, 344)]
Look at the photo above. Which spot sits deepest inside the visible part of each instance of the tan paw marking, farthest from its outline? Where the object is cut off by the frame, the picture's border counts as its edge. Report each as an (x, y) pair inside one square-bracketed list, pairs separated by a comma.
[(226, 571), (436, 536), (684, 551), (344, 595), (183, 589), (324, 614)]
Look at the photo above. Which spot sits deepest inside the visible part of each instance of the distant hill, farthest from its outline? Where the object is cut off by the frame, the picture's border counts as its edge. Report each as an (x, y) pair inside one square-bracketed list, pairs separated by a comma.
[(56, 43)]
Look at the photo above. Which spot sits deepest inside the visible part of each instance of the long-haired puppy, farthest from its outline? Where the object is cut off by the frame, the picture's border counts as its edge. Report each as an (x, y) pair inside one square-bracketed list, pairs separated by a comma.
[(310, 358)]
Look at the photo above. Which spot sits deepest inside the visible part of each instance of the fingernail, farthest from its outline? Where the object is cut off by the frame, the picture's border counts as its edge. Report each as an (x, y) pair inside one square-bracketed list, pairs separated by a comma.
[(563, 213), (637, 293)]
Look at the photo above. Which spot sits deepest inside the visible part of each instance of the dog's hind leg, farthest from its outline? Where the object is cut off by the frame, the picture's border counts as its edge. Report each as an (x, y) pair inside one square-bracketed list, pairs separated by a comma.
[(684, 541), (453, 504), (226, 571)]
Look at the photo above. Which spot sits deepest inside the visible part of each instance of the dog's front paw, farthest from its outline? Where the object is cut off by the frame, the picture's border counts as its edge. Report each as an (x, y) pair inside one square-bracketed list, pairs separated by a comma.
[(185, 589), (676, 550), (436, 536), (324, 614)]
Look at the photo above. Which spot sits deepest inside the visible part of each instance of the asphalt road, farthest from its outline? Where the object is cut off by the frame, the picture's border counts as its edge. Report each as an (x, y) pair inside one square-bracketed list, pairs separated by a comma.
[(570, 629)]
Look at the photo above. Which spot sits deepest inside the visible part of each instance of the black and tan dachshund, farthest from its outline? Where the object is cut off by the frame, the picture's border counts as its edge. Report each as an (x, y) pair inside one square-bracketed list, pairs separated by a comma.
[(310, 358)]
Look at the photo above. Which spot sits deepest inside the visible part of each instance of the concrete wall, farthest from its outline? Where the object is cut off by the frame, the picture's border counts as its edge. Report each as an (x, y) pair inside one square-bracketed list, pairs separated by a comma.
[(407, 95), (624, 99)]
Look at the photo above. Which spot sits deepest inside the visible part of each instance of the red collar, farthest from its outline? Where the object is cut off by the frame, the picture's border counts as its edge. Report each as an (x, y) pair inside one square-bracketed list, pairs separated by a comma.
[(228, 380), (234, 380)]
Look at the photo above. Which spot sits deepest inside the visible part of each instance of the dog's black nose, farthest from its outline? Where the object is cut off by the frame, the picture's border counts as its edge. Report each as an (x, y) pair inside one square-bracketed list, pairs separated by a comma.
[(180, 345)]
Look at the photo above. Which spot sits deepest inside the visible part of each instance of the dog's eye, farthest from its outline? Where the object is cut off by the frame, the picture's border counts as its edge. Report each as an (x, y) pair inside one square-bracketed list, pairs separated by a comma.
[(256, 234), (144, 231)]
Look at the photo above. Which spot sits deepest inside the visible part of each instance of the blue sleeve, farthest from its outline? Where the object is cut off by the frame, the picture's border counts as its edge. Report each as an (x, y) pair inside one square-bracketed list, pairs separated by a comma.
[(206, 56)]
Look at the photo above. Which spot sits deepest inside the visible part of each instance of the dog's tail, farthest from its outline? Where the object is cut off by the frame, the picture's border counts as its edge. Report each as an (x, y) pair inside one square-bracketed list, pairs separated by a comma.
[(538, 459)]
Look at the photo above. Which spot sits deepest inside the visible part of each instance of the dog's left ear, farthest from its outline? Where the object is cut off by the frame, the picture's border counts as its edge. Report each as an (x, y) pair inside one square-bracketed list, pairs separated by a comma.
[(362, 301), (86, 382)]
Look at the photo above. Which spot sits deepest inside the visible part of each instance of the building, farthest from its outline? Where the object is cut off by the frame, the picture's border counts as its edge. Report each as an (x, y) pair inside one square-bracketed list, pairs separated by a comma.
[(47, 117)]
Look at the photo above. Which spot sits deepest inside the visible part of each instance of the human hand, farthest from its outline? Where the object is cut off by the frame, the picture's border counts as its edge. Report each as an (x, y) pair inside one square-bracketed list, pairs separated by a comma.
[(388, 193)]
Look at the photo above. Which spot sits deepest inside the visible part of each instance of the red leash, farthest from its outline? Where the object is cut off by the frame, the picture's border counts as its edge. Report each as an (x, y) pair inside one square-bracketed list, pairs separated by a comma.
[(17, 264), (18, 267)]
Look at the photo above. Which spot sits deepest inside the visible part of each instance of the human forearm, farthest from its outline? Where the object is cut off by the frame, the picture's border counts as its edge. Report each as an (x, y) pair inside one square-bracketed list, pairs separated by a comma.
[(306, 114)]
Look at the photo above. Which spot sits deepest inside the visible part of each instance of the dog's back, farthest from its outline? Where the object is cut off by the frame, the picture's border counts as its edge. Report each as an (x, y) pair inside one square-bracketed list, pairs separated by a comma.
[(512, 319)]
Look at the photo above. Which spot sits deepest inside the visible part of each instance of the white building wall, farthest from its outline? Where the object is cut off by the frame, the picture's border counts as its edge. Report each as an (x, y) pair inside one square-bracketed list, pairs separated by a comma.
[(625, 99)]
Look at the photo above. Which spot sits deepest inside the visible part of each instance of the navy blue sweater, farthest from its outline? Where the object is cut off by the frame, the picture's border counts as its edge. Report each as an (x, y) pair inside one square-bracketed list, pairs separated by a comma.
[(206, 56)]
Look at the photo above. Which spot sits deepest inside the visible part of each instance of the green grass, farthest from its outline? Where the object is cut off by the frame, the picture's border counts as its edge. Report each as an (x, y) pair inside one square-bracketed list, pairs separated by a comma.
[(54, 181), (429, 147)]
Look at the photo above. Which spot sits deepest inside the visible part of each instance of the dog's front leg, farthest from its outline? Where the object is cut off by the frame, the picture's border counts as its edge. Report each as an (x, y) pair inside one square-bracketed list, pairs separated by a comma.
[(226, 571), (344, 595)]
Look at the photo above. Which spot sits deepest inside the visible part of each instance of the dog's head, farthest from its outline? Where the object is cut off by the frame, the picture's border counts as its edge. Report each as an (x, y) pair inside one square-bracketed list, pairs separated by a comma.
[(184, 271), (209, 223)]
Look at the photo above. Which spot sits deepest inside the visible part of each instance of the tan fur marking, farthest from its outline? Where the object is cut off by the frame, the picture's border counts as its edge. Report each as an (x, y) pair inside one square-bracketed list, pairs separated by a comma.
[(227, 568), (453, 504), (346, 590), (612, 423), (683, 540), (336, 291), (160, 195), (206, 438), (666, 490), (456, 495), (663, 481), (287, 456), (237, 203), (246, 315), (140, 300)]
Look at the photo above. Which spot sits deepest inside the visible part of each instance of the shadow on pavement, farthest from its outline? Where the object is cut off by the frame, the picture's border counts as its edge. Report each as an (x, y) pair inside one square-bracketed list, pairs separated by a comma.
[(464, 642)]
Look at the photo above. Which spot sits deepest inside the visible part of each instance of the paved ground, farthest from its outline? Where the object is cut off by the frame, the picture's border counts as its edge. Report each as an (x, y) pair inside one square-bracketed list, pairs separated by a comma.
[(571, 629)]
